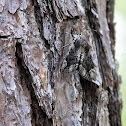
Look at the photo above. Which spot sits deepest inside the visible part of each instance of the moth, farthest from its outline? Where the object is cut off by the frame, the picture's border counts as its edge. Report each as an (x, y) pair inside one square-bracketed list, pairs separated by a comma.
[(76, 48), (79, 59)]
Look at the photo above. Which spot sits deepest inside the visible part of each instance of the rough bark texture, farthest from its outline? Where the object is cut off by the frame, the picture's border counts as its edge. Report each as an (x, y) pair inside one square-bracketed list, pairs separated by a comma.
[(57, 64)]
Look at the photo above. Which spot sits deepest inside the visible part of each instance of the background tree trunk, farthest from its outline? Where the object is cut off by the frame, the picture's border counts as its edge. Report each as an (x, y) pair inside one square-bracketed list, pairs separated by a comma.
[(57, 64)]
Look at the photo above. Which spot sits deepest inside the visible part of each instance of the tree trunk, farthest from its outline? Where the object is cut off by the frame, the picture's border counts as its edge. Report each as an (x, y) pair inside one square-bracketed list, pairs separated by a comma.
[(57, 63)]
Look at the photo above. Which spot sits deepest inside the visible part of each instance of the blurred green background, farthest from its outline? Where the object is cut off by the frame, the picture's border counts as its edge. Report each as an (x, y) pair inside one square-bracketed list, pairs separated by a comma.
[(120, 20)]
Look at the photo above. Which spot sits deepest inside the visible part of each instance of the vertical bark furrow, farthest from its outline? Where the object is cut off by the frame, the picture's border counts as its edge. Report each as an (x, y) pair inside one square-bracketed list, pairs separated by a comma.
[(38, 116), (90, 103), (110, 17), (39, 21)]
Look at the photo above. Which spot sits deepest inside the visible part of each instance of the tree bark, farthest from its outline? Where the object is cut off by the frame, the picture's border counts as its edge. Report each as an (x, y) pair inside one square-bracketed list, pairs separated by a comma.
[(57, 63)]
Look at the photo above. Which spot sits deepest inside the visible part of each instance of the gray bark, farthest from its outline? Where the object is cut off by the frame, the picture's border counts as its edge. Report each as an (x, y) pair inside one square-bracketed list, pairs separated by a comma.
[(57, 63)]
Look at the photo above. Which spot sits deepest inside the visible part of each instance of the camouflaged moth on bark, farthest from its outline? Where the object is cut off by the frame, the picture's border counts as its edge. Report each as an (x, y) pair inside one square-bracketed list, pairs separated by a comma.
[(80, 55)]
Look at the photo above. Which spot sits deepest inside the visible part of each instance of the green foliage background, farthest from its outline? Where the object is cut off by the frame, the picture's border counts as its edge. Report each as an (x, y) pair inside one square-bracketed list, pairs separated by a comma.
[(120, 6)]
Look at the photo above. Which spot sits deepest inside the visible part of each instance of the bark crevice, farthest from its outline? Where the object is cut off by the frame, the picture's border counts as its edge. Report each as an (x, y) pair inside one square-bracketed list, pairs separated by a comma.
[(39, 21), (38, 116), (90, 100)]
